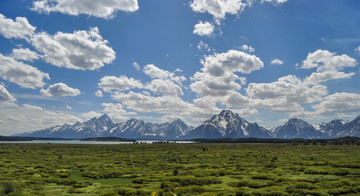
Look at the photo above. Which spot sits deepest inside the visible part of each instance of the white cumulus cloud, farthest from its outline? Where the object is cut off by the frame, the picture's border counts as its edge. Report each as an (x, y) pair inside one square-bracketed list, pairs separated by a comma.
[(164, 87), (97, 8), (5, 96), (203, 46), (218, 8), (146, 103), (218, 78), (324, 60), (18, 119), (59, 90), (136, 65), (247, 48), (338, 103), (275, 2), (99, 93), (21, 74), (82, 50), (18, 29), (122, 83), (155, 72), (24, 54), (204, 29), (357, 50), (277, 62)]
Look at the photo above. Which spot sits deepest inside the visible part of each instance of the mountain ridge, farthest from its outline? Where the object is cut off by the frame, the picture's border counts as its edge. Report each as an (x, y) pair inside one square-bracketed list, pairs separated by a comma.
[(226, 124)]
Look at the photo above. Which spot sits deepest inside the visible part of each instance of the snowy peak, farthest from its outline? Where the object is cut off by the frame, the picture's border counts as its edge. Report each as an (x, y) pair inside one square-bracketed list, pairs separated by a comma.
[(228, 125), (332, 128), (297, 128), (224, 120)]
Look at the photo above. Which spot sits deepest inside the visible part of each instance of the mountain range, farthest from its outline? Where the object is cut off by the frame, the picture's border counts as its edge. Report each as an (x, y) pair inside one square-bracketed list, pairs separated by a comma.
[(224, 125)]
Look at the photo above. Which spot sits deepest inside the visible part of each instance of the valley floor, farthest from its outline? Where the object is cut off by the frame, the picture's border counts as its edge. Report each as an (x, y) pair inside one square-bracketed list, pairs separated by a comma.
[(181, 169)]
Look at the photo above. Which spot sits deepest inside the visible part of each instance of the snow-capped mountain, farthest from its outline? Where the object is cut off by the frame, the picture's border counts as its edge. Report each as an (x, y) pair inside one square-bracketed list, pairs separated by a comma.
[(228, 125), (332, 128), (351, 128), (104, 127), (224, 125), (297, 128), (135, 128), (95, 127)]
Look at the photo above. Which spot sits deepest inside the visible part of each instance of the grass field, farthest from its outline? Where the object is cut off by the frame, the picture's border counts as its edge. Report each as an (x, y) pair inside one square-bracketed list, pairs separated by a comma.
[(181, 169)]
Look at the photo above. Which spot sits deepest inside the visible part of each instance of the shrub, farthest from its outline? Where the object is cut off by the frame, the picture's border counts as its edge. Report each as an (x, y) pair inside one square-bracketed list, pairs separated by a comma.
[(342, 182), (251, 183), (263, 176), (341, 190), (8, 187), (313, 170), (186, 181), (341, 172), (141, 180), (175, 172)]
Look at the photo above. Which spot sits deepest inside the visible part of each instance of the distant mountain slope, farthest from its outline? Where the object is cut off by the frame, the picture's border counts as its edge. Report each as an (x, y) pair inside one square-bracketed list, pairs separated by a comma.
[(351, 128), (333, 128), (104, 127), (95, 127), (228, 125), (297, 128)]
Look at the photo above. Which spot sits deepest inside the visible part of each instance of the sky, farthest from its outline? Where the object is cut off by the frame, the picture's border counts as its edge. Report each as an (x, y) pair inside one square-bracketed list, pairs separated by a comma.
[(63, 61)]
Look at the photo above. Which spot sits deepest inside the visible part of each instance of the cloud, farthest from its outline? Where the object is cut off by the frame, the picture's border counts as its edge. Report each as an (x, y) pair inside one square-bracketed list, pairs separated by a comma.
[(164, 87), (357, 50), (203, 46), (113, 108), (18, 29), (98, 93), (246, 111), (5, 96), (136, 65), (116, 111), (290, 88), (18, 119), (82, 50), (324, 60), (319, 77), (60, 90), (247, 48), (122, 83), (24, 54), (275, 2), (288, 92), (328, 66), (97, 8), (178, 70), (89, 115), (154, 72), (203, 29), (276, 62), (146, 103), (339, 103), (233, 61), (218, 8), (21, 74), (218, 78), (68, 107), (278, 105)]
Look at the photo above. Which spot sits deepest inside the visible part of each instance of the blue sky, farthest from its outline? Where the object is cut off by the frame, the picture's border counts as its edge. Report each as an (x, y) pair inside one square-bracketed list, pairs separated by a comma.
[(268, 60)]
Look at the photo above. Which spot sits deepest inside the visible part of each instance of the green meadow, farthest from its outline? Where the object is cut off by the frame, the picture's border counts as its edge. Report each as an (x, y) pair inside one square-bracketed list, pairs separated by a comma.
[(179, 169)]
